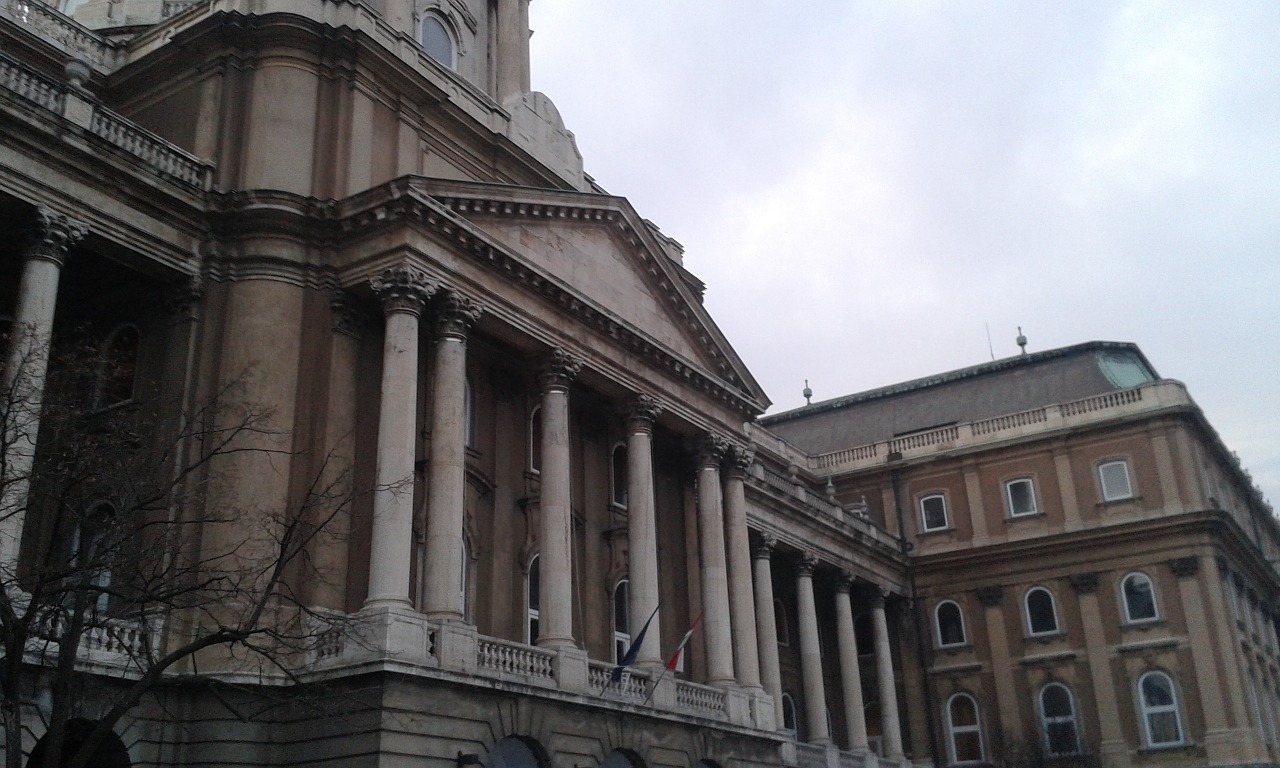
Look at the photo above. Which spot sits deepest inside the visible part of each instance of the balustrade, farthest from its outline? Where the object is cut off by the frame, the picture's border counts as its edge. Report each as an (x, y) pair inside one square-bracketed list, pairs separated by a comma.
[(507, 658)]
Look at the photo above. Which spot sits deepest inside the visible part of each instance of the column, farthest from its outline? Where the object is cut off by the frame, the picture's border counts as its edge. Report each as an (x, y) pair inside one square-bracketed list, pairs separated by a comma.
[(513, 50), (403, 291), (850, 674), (891, 729), (447, 466), (815, 692), (27, 365), (767, 622), (715, 583), (1111, 741), (555, 534), (1007, 703), (642, 533), (742, 610)]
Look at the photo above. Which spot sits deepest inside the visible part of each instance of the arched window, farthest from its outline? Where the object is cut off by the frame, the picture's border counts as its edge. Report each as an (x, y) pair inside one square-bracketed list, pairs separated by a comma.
[(535, 440), (437, 39), (1042, 615), (780, 620), (1058, 720), (621, 622), (1161, 720), (864, 634), (933, 512), (1139, 598), (790, 715), (618, 475), (118, 367), (964, 734), (468, 414), (949, 622), (531, 602), (464, 581)]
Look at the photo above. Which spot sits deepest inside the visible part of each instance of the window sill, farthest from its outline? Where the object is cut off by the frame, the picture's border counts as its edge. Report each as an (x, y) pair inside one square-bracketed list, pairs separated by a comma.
[(1142, 624), (1046, 637), (954, 648), (1186, 746), (1037, 515), (1119, 502), (936, 531)]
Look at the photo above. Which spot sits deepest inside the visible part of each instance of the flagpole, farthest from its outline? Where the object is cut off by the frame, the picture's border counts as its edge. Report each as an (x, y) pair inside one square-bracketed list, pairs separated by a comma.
[(629, 657)]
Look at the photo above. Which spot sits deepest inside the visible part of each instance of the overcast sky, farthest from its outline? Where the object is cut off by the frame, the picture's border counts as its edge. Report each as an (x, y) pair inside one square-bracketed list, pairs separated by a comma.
[(866, 187)]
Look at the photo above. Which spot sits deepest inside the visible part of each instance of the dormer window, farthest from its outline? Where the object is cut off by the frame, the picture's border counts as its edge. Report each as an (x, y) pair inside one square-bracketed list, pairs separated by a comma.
[(437, 40)]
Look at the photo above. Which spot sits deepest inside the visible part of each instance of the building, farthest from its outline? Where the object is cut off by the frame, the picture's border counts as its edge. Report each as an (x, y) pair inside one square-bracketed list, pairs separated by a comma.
[(356, 224)]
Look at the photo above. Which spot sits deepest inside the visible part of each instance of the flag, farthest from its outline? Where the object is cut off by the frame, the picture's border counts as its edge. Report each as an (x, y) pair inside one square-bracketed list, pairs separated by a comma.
[(675, 657), (633, 651)]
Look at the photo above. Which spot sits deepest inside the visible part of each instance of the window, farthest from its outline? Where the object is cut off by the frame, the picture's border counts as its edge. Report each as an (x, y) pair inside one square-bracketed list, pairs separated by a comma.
[(1161, 721), (949, 622), (1042, 616), (464, 581), (1058, 720), (864, 634), (91, 557), (618, 475), (468, 414), (535, 440), (621, 624), (933, 512), (780, 620), (1114, 479), (1139, 598), (437, 40), (531, 602), (790, 718), (964, 735), (118, 367), (1020, 495)]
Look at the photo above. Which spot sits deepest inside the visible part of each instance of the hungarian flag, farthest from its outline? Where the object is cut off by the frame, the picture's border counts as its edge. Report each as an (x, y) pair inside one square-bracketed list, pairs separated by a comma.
[(633, 651), (674, 661)]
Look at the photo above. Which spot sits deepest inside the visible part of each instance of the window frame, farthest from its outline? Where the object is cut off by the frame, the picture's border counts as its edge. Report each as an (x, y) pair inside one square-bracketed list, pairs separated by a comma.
[(937, 624), (1045, 720), (621, 637), (1103, 490), (450, 33), (468, 414), (789, 708), (924, 517), (1053, 607), (1008, 497), (1129, 618), (1147, 711), (954, 730), (104, 375)]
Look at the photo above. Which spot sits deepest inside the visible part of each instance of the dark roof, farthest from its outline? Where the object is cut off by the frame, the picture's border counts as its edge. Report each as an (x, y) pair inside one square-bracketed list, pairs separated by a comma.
[(969, 394)]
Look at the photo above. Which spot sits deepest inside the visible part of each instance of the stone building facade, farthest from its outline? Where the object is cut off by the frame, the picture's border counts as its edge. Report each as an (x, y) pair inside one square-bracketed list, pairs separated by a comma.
[(360, 215)]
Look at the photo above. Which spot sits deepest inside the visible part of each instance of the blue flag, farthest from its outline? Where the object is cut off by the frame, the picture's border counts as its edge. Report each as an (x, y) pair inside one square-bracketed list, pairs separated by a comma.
[(633, 651)]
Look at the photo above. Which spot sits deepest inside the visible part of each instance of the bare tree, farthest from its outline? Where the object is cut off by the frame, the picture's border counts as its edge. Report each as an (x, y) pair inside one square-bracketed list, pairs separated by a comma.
[(132, 556)]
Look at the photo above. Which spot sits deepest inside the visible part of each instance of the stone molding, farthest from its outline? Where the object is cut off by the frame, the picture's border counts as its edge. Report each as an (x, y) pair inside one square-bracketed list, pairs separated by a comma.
[(403, 289), (806, 565), (184, 296), (710, 450), (454, 316), (54, 234), (738, 460), (844, 582), (558, 370)]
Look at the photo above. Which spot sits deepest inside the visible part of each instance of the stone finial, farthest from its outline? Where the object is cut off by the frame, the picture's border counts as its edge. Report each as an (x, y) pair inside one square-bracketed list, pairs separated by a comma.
[(1084, 583), (54, 234), (403, 289), (1184, 567), (558, 369), (641, 413), (455, 314), (764, 546), (807, 564), (989, 597)]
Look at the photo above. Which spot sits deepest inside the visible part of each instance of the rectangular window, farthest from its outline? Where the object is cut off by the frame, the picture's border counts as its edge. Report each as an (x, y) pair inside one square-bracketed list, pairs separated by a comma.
[(1021, 496), (1114, 478), (933, 512)]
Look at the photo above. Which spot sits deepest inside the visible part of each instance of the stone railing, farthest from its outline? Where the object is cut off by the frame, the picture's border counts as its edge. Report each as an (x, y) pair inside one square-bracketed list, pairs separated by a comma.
[(30, 86), (1152, 396), (508, 659), (119, 642), (701, 699), (811, 755), (634, 685), (62, 32)]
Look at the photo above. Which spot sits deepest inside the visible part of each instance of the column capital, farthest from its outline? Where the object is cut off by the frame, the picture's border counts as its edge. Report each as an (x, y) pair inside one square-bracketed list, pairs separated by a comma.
[(1184, 567), (558, 369), (183, 296), (345, 313), (844, 582), (641, 413), (455, 314), (403, 289), (1084, 583), (53, 235), (764, 546), (738, 460), (989, 597), (805, 567), (710, 450)]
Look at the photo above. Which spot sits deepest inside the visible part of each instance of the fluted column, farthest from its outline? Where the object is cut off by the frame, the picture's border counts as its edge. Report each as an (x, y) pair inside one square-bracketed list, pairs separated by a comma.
[(850, 673), (891, 729), (447, 467), (403, 291), (27, 365), (767, 622), (746, 654), (555, 566), (815, 691), (715, 583), (642, 533)]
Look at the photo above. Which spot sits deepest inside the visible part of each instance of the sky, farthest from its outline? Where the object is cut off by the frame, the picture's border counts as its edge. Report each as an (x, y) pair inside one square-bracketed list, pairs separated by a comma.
[(871, 188)]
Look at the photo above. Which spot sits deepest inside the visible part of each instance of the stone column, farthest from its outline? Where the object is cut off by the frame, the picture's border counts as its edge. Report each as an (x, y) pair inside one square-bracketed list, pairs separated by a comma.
[(715, 584), (555, 565), (815, 693), (742, 609), (891, 729), (447, 467), (1007, 703), (403, 291), (850, 674), (642, 533), (767, 622), (1111, 741)]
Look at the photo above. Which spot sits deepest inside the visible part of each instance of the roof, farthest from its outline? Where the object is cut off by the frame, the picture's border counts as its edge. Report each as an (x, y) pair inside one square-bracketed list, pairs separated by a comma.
[(969, 394)]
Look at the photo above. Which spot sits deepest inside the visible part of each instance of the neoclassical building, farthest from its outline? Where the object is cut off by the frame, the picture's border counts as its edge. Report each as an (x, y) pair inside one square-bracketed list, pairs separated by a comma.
[(355, 222)]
